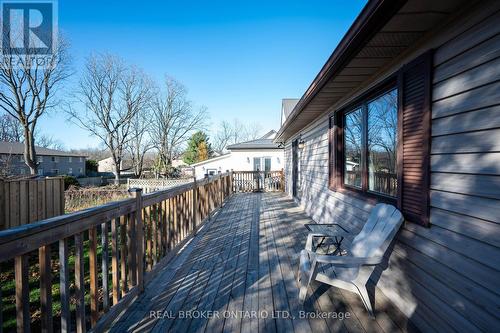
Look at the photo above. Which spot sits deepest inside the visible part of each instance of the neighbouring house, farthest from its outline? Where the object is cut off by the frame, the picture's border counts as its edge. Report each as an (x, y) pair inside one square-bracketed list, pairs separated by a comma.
[(107, 165), (260, 154), (287, 105), (178, 162), (406, 111), (51, 162)]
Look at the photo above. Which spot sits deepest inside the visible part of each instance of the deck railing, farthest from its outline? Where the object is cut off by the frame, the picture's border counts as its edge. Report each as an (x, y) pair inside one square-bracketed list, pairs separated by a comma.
[(258, 181), (383, 182), (133, 239)]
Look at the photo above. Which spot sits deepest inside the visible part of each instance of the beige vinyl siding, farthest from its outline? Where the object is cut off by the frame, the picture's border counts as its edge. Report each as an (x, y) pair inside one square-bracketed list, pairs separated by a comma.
[(446, 277)]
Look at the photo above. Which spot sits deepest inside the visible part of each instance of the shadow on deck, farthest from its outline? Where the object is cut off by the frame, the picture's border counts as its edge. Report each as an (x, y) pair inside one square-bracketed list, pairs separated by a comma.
[(239, 274)]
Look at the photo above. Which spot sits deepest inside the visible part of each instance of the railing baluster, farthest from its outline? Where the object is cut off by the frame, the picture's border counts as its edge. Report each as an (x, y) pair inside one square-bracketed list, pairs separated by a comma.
[(79, 284), (94, 306), (184, 220), (164, 227), (176, 220), (22, 293), (154, 233), (137, 227), (115, 260), (159, 207), (169, 224), (131, 251), (123, 254), (105, 269), (149, 256), (45, 288)]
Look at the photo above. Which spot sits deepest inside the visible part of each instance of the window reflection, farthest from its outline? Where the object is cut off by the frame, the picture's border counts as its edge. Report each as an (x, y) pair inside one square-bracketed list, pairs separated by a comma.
[(353, 130), (382, 136)]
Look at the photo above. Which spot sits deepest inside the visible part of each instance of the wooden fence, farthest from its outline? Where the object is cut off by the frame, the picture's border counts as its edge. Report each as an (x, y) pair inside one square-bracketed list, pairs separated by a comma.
[(258, 181), (137, 237), (29, 200)]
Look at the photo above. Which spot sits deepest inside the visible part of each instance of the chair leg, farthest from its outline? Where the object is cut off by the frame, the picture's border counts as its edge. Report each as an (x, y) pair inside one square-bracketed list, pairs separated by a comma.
[(303, 290), (363, 293), (305, 274)]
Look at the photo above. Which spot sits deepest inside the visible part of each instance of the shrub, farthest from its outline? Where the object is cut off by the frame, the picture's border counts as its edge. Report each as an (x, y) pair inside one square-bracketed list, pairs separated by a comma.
[(91, 167), (70, 181)]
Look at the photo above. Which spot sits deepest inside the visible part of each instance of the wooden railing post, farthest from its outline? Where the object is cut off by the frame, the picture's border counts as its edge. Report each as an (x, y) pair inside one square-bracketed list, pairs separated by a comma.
[(231, 182), (139, 238), (22, 293), (195, 204), (94, 297), (282, 180), (219, 189), (79, 284), (208, 193), (64, 285), (45, 288)]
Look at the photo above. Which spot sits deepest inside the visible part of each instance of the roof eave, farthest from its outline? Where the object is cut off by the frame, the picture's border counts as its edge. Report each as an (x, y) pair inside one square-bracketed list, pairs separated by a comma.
[(253, 148), (369, 21)]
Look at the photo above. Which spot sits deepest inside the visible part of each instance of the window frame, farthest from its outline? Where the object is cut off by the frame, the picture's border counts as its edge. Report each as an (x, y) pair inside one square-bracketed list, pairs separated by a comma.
[(337, 149)]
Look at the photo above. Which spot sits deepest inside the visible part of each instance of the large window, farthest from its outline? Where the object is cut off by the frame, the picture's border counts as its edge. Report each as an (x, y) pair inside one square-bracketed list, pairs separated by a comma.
[(267, 164), (369, 145), (382, 135), (379, 146), (353, 143)]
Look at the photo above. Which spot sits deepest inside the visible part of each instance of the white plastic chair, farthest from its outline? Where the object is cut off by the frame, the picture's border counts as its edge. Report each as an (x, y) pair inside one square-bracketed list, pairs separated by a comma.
[(352, 272)]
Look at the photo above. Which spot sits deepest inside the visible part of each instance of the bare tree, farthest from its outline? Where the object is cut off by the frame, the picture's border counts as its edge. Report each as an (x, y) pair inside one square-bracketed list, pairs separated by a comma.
[(137, 91), (48, 141), (233, 132), (96, 154), (253, 130), (223, 136), (27, 90), (110, 104), (173, 121), (10, 129)]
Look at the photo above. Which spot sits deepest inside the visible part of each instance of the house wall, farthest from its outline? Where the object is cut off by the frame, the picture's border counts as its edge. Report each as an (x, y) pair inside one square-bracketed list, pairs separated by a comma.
[(242, 160), (47, 166), (446, 277), (106, 165)]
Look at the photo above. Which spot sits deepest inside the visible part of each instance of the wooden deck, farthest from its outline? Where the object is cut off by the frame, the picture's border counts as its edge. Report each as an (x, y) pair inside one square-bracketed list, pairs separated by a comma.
[(239, 275)]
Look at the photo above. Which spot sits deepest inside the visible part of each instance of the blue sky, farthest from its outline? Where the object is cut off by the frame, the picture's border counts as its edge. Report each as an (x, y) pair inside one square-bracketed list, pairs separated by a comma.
[(238, 58)]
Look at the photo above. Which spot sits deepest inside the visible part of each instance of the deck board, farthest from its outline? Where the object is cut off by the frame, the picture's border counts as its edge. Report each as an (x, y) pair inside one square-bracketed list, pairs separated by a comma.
[(244, 262)]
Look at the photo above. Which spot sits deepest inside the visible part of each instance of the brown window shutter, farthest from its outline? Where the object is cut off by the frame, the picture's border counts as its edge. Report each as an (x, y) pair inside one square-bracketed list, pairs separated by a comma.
[(335, 152), (295, 171), (414, 135), (331, 155)]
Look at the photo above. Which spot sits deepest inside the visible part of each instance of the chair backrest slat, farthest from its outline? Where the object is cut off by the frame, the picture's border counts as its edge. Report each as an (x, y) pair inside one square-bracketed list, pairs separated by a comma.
[(378, 231)]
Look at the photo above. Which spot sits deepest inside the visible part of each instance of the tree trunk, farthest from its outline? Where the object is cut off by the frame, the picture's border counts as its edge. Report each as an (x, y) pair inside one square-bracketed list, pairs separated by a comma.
[(117, 172), (29, 151)]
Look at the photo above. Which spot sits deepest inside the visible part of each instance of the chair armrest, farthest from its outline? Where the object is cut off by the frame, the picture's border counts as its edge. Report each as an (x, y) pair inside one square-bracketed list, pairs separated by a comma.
[(311, 235), (345, 261)]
